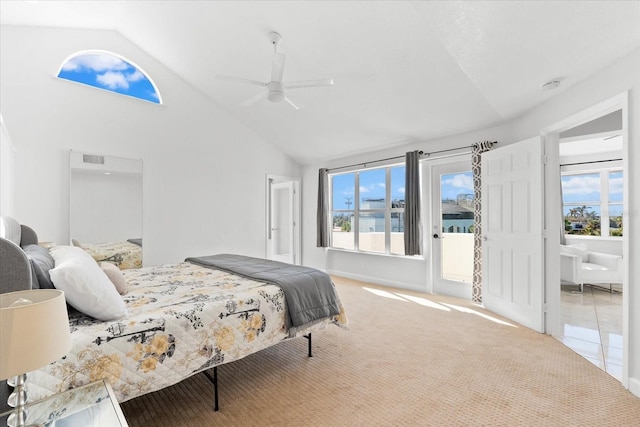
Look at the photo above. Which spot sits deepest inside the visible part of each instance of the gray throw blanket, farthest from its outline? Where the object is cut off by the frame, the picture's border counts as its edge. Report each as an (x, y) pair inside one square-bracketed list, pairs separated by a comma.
[(310, 293), (135, 241)]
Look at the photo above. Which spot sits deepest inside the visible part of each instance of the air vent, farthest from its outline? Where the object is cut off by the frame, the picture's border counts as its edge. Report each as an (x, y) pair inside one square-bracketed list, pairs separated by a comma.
[(88, 158)]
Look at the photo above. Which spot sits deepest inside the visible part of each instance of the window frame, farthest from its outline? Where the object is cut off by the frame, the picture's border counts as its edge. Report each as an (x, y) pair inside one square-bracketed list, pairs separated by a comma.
[(123, 59), (603, 204), (387, 210)]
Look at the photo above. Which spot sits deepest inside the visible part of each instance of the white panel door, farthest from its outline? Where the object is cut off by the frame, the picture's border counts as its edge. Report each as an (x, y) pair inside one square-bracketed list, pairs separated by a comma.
[(512, 228), (281, 239)]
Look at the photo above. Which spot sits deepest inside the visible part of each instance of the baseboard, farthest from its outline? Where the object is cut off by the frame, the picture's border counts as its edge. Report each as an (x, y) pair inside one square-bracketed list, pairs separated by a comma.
[(378, 281), (634, 386)]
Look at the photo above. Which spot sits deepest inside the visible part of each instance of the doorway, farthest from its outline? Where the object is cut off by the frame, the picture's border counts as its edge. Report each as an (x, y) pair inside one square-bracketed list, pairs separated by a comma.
[(283, 219), (585, 148)]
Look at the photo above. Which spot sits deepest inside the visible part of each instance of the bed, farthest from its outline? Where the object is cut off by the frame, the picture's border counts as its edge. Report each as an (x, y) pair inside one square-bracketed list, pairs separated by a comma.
[(180, 319), (127, 254)]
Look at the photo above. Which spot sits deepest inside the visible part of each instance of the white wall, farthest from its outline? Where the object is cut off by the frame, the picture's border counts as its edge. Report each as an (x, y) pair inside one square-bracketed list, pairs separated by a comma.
[(6, 171), (204, 172)]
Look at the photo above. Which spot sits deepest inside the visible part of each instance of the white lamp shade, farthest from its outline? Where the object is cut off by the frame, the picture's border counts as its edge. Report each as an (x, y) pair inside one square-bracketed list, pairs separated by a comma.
[(34, 330)]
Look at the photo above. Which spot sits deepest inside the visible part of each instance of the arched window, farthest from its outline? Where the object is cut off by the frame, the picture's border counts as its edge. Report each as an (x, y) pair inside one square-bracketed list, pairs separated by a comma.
[(108, 71)]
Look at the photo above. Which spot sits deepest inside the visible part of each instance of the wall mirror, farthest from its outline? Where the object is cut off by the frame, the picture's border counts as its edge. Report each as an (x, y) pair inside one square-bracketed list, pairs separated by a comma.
[(105, 211)]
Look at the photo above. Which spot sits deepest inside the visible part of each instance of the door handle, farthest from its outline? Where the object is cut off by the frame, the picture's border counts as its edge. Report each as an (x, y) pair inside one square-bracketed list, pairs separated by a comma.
[(435, 236), (484, 238), (275, 229)]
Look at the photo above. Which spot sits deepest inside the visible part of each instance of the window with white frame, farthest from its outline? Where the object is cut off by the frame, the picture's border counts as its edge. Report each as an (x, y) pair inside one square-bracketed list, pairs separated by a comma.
[(592, 202), (367, 210)]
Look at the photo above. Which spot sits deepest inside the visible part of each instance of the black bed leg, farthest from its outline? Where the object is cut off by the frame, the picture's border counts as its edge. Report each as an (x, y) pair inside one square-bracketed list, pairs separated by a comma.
[(215, 389), (308, 336), (214, 380)]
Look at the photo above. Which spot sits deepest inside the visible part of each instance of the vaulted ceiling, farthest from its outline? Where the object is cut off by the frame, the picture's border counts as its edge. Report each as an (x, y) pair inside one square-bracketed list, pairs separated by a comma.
[(404, 70)]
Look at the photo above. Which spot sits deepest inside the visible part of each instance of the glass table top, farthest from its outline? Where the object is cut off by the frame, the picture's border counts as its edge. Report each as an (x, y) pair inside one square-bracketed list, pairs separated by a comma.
[(91, 405)]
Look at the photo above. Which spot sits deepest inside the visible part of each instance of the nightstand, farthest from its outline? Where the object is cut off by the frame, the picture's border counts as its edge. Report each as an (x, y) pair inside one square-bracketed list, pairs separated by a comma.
[(91, 405)]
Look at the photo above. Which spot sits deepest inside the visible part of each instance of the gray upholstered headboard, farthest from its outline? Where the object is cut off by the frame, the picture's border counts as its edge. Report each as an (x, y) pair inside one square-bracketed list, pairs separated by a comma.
[(16, 272)]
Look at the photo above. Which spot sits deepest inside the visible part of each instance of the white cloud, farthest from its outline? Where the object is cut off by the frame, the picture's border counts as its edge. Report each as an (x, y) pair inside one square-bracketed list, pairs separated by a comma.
[(464, 181), (615, 185), (581, 184), (373, 187), (135, 76), (96, 62), (401, 190), (113, 80)]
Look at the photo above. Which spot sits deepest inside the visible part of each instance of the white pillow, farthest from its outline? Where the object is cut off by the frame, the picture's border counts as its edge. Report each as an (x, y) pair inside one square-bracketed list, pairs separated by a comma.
[(68, 252), (86, 287)]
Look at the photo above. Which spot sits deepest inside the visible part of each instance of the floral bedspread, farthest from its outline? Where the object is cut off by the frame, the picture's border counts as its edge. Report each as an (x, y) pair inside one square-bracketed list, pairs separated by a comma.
[(123, 254), (183, 319)]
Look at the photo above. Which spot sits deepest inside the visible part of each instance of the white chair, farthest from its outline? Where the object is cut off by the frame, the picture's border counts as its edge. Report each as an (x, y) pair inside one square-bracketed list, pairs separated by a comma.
[(582, 267)]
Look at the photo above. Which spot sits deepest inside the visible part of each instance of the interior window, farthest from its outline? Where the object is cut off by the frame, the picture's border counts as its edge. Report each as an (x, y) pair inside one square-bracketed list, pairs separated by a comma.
[(110, 72), (592, 203)]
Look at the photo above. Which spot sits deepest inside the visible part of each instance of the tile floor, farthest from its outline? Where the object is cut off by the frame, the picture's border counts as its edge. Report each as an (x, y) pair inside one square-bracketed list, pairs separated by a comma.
[(592, 324)]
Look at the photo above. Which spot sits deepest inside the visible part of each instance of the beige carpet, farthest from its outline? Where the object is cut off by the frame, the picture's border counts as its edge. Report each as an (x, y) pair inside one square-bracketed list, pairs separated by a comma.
[(409, 359)]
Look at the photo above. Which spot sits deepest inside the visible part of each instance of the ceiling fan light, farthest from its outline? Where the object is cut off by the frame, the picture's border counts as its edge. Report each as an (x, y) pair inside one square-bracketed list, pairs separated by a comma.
[(275, 96)]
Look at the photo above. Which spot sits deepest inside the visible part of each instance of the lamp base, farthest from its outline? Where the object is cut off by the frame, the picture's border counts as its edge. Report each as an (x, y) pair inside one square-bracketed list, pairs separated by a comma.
[(18, 399), (12, 381), (19, 395), (17, 419)]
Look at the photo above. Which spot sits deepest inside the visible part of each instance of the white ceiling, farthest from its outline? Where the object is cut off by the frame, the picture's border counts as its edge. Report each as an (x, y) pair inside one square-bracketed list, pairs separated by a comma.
[(610, 144), (404, 71)]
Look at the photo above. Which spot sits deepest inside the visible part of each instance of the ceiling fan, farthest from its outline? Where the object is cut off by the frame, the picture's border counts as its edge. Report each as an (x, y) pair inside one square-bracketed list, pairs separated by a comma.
[(275, 89)]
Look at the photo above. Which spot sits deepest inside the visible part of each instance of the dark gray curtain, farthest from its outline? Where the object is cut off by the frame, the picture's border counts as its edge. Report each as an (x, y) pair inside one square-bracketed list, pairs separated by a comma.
[(412, 241), (476, 152), (322, 240)]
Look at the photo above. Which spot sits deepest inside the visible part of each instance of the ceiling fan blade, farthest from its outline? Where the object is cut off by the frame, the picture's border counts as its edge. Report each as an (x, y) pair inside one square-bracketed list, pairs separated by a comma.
[(277, 67), (308, 83), (240, 80), (291, 103), (254, 99)]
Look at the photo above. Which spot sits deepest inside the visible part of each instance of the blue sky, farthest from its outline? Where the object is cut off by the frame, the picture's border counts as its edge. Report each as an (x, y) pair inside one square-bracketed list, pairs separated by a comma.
[(372, 186), (585, 188), (109, 72), (456, 183)]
